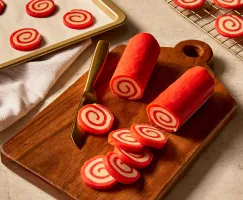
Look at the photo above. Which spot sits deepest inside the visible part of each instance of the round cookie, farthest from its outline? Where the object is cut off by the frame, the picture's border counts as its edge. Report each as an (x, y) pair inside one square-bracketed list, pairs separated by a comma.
[(230, 26), (95, 175), (119, 170), (123, 139), (25, 39), (40, 8), (229, 4), (78, 19), (189, 4), (95, 119), (148, 135), (136, 160)]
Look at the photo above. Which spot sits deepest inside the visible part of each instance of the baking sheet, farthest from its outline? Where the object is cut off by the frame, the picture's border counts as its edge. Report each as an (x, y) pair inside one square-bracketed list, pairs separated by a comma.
[(54, 33)]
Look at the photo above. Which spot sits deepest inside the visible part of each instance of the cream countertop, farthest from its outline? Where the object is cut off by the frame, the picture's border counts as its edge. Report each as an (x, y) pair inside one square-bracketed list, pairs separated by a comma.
[(218, 173)]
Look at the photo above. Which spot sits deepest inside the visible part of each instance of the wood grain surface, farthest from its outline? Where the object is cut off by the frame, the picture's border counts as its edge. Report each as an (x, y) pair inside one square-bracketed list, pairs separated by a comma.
[(44, 153)]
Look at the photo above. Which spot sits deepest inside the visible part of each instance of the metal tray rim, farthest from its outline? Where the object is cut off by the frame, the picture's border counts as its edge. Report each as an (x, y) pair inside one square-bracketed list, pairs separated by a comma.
[(106, 6)]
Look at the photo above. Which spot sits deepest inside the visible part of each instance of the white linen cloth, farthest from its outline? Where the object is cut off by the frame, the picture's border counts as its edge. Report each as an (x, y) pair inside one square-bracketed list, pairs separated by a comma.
[(24, 86)]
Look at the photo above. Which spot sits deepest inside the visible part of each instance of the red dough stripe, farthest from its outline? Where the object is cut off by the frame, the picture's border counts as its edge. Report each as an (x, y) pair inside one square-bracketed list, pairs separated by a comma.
[(122, 138), (95, 175), (25, 39), (40, 8), (189, 4), (78, 19), (136, 160), (148, 135), (119, 170), (230, 26), (95, 119), (2, 6)]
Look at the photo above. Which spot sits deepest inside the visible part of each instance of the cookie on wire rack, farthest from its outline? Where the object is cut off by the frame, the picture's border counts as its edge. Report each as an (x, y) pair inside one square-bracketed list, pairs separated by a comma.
[(230, 26), (229, 4), (189, 4)]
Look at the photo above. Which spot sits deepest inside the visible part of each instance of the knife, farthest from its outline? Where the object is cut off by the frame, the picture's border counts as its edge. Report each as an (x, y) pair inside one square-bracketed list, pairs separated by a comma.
[(88, 96)]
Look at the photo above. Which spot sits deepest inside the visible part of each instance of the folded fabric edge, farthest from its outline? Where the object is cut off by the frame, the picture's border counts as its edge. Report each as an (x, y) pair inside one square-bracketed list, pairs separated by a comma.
[(14, 116)]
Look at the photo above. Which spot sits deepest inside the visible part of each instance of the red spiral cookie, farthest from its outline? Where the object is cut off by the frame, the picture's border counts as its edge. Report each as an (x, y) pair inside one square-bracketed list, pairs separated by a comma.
[(40, 8), (137, 160), (95, 119), (230, 26), (229, 4), (2, 6), (122, 138), (25, 39), (119, 170), (189, 4), (95, 175), (148, 135), (78, 19)]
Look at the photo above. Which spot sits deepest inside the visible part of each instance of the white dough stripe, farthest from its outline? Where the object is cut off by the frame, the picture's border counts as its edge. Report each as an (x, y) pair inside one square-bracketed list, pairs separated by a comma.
[(126, 87), (231, 24), (121, 167), (149, 132), (25, 37), (96, 117), (162, 118), (40, 6), (78, 17), (96, 172), (125, 137)]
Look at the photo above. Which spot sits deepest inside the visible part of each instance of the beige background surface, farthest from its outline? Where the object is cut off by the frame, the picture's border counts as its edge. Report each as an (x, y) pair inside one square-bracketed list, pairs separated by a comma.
[(218, 173)]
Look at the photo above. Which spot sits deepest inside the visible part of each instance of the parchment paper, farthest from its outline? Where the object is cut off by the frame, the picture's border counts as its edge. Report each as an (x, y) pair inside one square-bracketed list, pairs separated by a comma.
[(51, 29)]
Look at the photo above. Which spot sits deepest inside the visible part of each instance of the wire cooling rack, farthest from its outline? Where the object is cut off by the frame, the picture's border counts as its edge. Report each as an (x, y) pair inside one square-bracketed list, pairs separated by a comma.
[(204, 18)]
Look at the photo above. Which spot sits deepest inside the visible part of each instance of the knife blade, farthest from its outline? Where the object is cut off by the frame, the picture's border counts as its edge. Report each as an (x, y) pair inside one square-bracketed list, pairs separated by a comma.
[(88, 96)]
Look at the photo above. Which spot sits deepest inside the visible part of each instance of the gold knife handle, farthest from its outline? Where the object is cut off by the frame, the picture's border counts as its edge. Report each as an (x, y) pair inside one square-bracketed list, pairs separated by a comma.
[(98, 60)]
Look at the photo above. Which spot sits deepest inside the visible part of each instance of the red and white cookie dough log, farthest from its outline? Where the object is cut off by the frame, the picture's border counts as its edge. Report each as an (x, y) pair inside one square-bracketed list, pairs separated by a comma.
[(119, 170), (2, 6), (122, 138), (135, 66), (78, 19), (148, 135), (229, 4), (95, 175), (95, 119), (230, 26), (136, 160), (40, 8), (189, 4), (174, 106), (25, 39)]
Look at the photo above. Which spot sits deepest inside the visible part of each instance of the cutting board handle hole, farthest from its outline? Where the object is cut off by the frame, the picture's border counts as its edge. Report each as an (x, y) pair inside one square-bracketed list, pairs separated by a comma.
[(193, 51)]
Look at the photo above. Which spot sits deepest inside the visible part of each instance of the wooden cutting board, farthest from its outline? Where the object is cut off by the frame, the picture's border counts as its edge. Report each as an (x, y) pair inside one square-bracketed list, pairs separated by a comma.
[(44, 153)]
